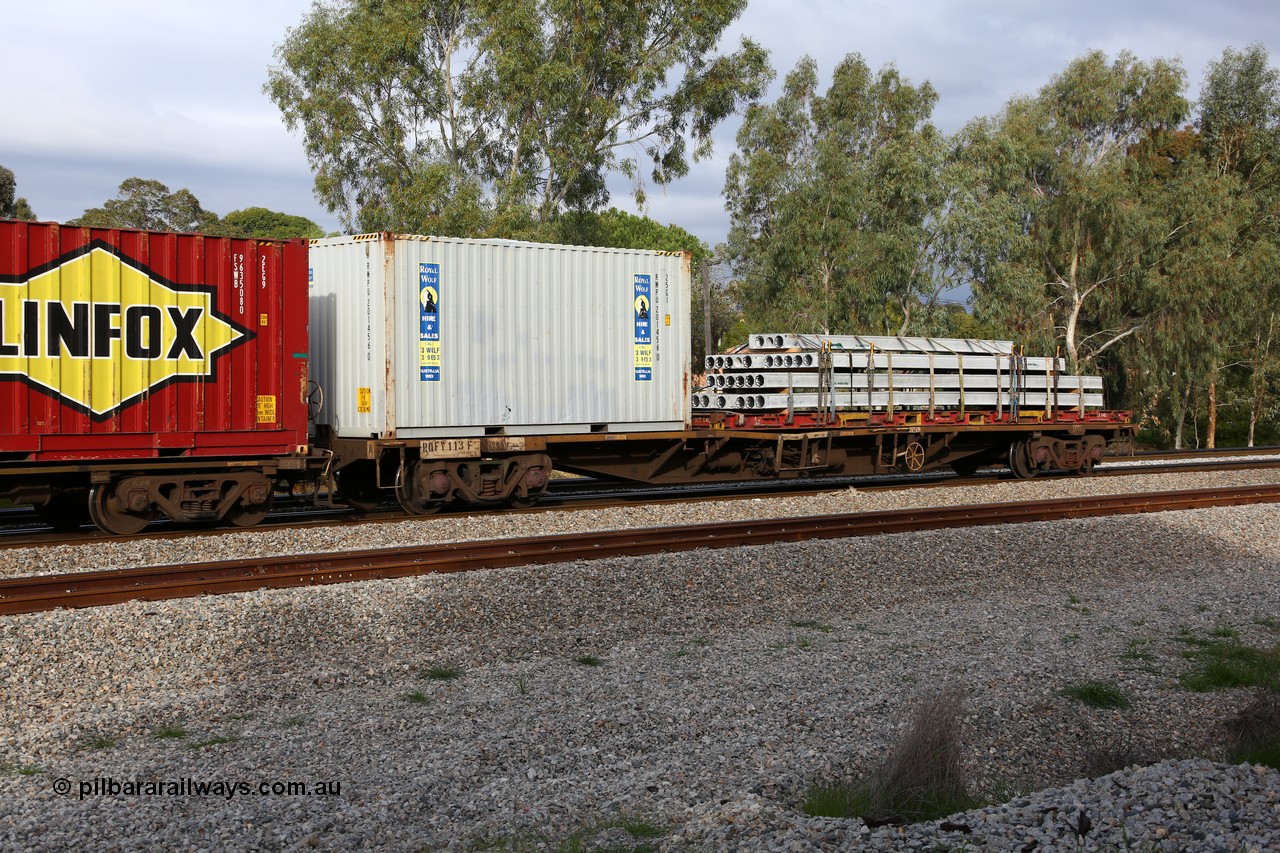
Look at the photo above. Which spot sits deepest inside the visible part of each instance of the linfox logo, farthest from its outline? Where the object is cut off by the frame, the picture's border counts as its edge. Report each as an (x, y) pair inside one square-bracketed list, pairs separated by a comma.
[(99, 331)]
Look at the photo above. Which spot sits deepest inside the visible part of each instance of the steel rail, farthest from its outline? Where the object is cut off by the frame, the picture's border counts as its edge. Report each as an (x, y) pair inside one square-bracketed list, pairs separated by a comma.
[(620, 494), (89, 589)]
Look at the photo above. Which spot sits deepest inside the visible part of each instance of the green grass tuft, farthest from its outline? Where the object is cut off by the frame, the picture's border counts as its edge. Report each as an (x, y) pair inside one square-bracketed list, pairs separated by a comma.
[(417, 697), (838, 800), (168, 732), (11, 769), (588, 660), (1223, 662), (1096, 694), (98, 742), (920, 780), (1256, 731), (1262, 754), (639, 827), (443, 672)]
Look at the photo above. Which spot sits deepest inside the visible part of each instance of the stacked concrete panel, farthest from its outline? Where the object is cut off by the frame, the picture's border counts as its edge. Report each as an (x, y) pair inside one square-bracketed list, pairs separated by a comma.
[(789, 372)]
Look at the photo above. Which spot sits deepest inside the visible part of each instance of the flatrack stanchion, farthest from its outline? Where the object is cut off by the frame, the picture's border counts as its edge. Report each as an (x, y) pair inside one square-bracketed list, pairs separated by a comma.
[(933, 386), (999, 391)]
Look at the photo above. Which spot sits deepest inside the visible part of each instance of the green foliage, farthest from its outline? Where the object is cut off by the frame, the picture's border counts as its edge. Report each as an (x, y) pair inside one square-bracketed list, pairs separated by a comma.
[(1048, 220), (1096, 694), (1256, 731), (149, 205), (1223, 662), (830, 197), (11, 205), (262, 224), (416, 697), (169, 732), (98, 741), (588, 660), (621, 230), (839, 800), (484, 116), (813, 624), (443, 672), (1263, 754), (9, 768)]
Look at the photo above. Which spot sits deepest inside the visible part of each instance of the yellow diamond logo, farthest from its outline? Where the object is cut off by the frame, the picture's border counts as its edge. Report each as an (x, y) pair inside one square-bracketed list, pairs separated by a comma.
[(100, 332)]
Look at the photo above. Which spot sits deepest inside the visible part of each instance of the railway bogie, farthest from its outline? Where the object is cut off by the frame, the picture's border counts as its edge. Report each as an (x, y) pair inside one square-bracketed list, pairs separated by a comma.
[(426, 476)]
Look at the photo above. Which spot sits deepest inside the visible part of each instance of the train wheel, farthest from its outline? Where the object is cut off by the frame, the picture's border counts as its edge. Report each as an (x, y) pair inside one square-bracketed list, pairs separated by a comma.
[(65, 511), (414, 491), (112, 516), (241, 515), (1020, 461)]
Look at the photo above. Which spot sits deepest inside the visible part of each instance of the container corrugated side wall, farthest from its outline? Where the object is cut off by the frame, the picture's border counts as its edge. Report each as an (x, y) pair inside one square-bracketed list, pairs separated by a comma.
[(532, 338), (348, 334), (122, 343)]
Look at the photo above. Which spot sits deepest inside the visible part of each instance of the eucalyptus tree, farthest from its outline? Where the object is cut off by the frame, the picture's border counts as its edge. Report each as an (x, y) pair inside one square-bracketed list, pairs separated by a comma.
[(1240, 126), (454, 114), (1198, 303), (12, 206), (830, 197), (264, 224), (1046, 219), (149, 204)]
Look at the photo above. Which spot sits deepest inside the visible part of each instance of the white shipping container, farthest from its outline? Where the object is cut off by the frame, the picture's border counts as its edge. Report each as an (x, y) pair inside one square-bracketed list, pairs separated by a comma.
[(423, 337)]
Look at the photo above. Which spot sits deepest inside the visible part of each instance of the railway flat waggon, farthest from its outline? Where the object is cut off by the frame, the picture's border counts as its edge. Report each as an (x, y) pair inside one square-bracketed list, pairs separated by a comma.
[(147, 374), (791, 406)]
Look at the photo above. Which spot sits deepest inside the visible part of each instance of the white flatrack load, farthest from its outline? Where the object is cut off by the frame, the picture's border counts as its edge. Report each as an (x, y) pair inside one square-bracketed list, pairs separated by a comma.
[(840, 373)]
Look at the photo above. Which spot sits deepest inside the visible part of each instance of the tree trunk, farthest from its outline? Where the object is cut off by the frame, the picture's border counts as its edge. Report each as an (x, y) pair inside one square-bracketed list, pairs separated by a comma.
[(1258, 384), (1211, 435), (1182, 418)]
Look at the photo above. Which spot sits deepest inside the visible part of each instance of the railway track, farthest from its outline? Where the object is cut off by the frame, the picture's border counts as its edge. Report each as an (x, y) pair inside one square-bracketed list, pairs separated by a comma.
[(20, 528), (89, 589)]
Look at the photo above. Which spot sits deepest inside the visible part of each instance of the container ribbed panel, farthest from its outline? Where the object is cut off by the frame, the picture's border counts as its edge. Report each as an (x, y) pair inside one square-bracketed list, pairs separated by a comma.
[(533, 337)]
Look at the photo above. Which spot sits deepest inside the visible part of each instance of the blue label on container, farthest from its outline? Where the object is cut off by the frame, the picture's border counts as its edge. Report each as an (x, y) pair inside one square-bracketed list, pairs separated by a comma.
[(642, 302), (429, 332)]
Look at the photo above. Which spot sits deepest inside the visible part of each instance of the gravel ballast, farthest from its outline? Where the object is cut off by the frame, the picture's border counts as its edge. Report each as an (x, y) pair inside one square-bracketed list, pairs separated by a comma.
[(677, 702)]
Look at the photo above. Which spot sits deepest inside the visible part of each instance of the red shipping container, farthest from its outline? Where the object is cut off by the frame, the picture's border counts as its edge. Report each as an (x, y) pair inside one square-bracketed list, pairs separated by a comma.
[(133, 344)]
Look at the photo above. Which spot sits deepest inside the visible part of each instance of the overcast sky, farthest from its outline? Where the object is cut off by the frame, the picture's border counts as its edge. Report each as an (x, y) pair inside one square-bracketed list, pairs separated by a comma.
[(100, 91)]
